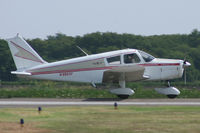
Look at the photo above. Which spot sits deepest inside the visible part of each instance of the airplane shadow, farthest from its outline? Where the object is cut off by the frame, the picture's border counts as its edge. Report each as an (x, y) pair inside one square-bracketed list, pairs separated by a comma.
[(102, 99)]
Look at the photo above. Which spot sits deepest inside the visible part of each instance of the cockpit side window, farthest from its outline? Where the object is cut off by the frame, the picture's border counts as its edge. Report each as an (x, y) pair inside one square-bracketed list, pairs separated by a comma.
[(114, 60), (145, 56), (131, 58)]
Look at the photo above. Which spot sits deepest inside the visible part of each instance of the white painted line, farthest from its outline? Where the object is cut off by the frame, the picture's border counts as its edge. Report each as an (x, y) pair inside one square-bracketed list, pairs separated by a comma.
[(57, 103)]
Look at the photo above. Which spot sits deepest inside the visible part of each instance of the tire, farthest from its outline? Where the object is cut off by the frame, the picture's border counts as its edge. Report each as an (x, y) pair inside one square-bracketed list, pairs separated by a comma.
[(172, 96), (123, 96)]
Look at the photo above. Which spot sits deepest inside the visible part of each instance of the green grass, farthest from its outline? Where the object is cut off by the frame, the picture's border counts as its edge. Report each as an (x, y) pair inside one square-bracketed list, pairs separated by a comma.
[(98, 119), (50, 89), (54, 93), (86, 92)]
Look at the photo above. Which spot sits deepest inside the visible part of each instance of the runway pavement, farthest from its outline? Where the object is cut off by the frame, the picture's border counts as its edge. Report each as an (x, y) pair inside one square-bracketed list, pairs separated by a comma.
[(32, 102)]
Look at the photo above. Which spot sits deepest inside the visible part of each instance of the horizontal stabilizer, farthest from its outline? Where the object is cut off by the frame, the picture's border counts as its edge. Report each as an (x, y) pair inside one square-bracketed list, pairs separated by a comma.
[(21, 73)]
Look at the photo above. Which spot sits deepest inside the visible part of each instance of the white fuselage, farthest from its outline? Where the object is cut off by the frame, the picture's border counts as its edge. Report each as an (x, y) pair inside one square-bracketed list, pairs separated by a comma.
[(91, 68)]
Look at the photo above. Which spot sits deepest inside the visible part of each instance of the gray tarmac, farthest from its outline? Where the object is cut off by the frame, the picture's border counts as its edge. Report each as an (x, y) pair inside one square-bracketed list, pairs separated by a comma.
[(34, 102)]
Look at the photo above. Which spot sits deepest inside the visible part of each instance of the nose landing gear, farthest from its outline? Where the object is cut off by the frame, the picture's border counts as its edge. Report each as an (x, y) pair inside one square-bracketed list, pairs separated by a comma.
[(169, 91)]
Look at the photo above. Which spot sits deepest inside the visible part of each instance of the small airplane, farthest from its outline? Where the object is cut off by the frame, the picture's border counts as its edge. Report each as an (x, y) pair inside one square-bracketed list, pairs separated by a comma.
[(118, 66)]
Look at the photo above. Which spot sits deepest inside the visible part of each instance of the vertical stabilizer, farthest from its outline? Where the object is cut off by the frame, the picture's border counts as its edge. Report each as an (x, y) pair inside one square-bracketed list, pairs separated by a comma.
[(23, 55)]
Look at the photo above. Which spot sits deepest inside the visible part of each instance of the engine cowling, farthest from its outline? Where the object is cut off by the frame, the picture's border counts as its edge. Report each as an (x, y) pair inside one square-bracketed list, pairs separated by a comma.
[(171, 92)]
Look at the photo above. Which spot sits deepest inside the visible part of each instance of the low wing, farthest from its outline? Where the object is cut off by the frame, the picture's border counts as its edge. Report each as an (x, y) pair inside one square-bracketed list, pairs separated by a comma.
[(131, 73)]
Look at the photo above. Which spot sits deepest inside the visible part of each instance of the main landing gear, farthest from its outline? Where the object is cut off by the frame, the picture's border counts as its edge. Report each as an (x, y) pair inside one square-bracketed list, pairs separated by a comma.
[(122, 92), (123, 96)]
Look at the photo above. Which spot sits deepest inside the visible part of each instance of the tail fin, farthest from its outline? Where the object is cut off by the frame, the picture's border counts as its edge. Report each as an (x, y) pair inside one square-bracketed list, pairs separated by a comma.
[(23, 55)]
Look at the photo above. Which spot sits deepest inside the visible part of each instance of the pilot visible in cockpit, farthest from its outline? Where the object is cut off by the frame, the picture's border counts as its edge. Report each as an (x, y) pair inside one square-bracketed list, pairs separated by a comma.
[(130, 59)]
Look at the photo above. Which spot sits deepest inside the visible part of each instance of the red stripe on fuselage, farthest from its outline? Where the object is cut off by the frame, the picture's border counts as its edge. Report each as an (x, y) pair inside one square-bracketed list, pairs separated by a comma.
[(72, 70), (160, 64)]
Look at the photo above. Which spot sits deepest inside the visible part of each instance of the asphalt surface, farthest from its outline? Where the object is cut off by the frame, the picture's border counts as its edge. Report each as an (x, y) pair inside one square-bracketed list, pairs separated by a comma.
[(33, 102)]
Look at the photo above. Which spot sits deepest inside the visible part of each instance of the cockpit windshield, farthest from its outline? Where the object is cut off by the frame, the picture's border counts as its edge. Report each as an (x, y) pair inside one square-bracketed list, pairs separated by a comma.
[(145, 56)]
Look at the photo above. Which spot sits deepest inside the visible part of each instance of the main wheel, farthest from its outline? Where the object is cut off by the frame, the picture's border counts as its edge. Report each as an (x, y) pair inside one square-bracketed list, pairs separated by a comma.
[(171, 96), (123, 96)]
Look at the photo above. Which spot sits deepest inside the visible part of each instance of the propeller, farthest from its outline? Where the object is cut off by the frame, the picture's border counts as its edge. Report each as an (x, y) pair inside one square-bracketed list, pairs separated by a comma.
[(185, 65)]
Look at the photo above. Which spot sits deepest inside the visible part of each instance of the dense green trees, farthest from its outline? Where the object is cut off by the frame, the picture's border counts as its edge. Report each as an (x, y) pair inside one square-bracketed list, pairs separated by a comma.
[(60, 47)]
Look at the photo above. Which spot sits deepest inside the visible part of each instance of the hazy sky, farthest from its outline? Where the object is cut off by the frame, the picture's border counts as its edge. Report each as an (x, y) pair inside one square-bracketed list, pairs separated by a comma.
[(39, 18)]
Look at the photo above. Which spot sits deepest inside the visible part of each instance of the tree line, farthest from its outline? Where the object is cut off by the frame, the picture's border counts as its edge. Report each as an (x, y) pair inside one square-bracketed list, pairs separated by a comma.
[(60, 46)]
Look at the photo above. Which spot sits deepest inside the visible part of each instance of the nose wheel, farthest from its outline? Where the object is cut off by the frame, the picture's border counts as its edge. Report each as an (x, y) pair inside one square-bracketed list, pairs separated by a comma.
[(170, 91), (172, 96)]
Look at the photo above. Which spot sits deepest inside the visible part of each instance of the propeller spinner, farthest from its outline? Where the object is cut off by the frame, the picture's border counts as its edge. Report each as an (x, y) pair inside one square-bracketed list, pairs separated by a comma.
[(186, 64)]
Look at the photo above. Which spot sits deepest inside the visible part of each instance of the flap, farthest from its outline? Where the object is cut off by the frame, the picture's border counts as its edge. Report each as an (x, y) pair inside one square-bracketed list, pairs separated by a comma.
[(131, 73), (127, 68)]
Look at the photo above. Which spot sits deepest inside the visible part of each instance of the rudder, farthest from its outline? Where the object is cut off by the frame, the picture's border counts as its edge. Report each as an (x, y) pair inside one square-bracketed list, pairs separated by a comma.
[(23, 54)]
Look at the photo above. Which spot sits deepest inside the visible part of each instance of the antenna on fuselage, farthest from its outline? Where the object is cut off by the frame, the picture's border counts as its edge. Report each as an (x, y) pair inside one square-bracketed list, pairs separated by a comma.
[(82, 50)]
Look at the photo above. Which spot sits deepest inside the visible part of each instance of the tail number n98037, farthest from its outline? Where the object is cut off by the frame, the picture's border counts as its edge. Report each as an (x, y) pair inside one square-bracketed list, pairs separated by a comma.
[(66, 74)]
